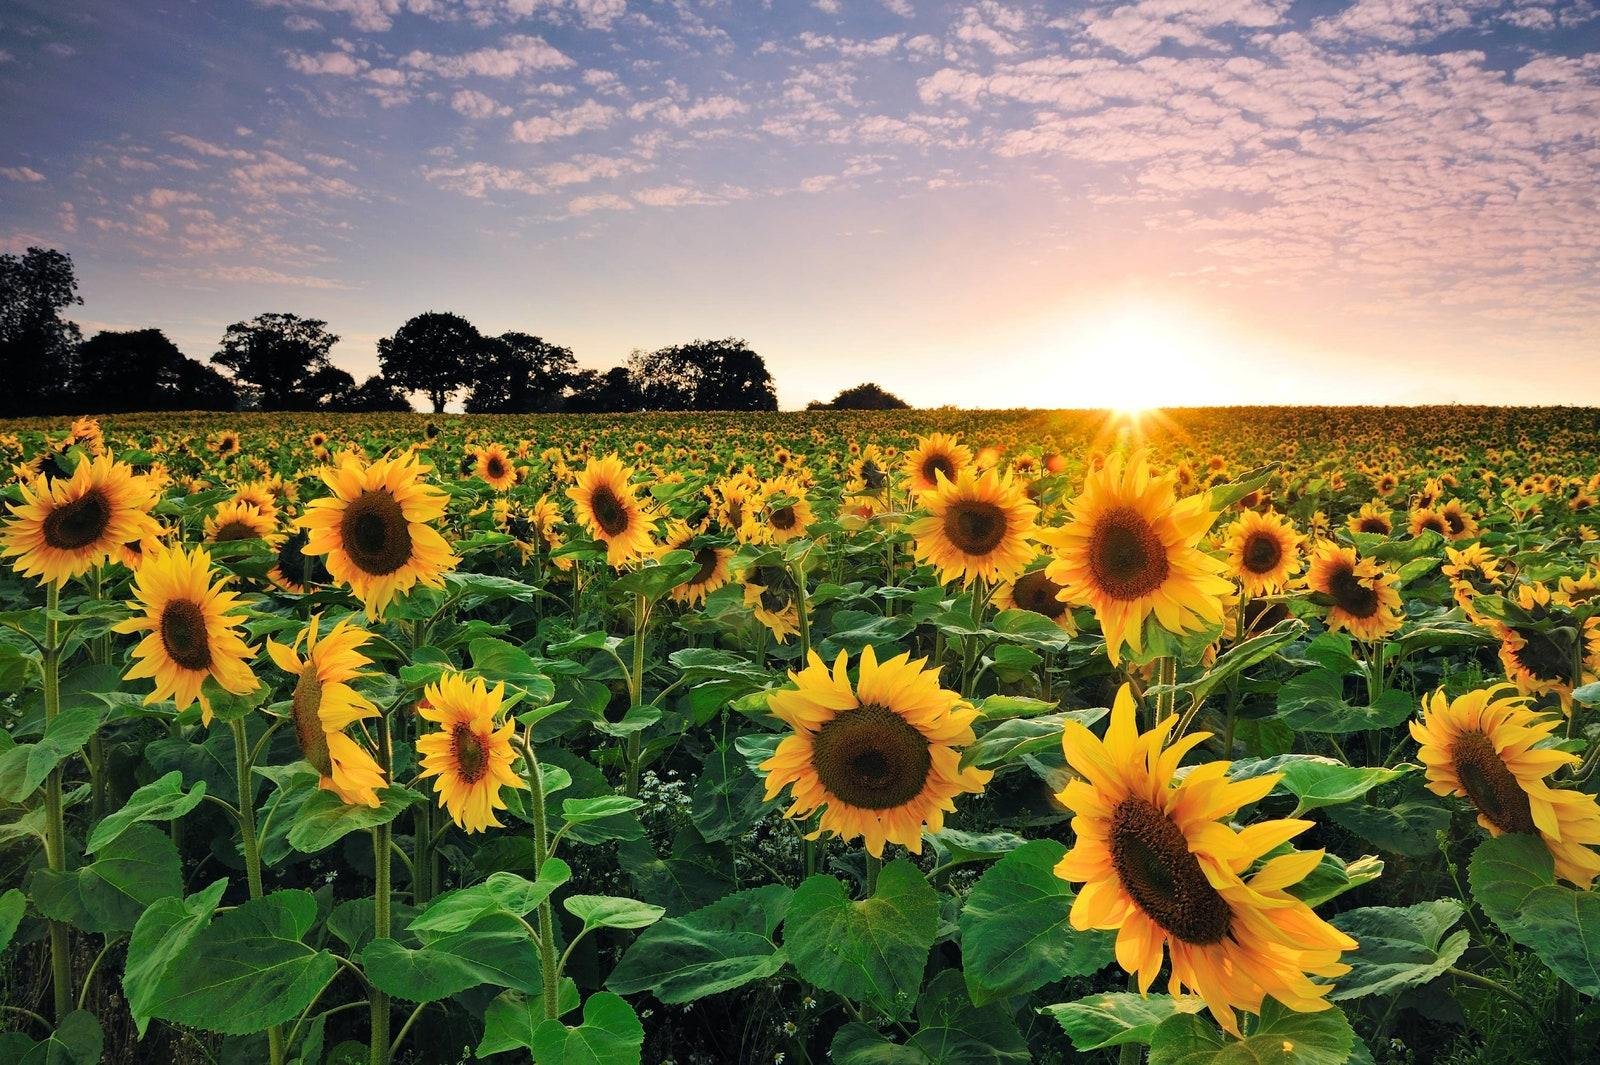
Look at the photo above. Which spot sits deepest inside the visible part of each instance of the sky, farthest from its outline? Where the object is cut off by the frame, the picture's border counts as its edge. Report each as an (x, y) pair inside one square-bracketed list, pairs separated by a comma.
[(985, 203)]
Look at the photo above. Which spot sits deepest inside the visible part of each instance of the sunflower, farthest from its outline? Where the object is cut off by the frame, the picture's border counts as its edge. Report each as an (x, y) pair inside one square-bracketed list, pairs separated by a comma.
[(263, 495), (934, 454), (1541, 657), (1129, 552), (1159, 862), (1426, 518), (882, 758), (786, 510), (324, 705), (1472, 571), (1036, 592), (1373, 518), (712, 560), (1459, 524), (769, 593), (67, 525), (225, 443), (1484, 746), (237, 520), (868, 473), (494, 466), (1263, 551), (191, 628), (469, 754), (977, 526), (1363, 599), (292, 569), (374, 529), (607, 507)]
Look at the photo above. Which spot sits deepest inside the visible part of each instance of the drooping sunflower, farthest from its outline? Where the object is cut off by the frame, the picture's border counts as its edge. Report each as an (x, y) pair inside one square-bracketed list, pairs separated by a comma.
[(712, 560), (1263, 551), (934, 454), (1160, 863), (1037, 592), (191, 625), (1364, 601), (470, 754), (607, 506), (238, 520), (977, 526), (292, 569), (1373, 518), (494, 467), (324, 705), (1484, 746), (769, 593), (1129, 551), (67, 525), (374, 529), (1541, 656), (882, 757), (1472, 571)]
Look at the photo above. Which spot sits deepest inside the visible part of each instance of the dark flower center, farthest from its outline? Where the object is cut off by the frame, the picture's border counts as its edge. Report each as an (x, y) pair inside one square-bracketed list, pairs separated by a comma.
[(307, 706), (1434, 522), (872, 476), (1161, 874), (1126, 557), (183, 634), (1490, 785), (1373, 525), (1544, 656), (872, 758), (777, 588), (299, 567), (495, 467), (934, 465), (1456, 522), (234, 530), (1036, 592), (1353, 597), (75, 525), (472, 758), (783, 518), (975, 527), (375, 533), (706, 559), (609, 513), (1262, 552)]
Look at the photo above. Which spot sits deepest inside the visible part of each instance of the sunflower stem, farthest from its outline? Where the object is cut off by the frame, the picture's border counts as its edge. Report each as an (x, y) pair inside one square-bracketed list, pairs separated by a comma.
[(55, 838), (252, 849), (641, 620), (378, 1049), (803, 610), (1166, 677), (541, 853)]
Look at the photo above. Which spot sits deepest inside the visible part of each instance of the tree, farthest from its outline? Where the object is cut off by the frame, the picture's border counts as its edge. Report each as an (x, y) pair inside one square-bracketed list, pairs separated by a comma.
[(703, 375), (862, 397), (281, 361), (603, 393), (517, 373), (373, 395), (141, 369), (435, 353), (36, 343)]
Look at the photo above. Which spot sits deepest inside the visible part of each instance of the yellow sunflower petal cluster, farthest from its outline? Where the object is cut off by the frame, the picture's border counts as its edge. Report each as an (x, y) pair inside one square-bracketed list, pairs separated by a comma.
[(880, 757), (324, 705), (1263, 551), (1364, 600), (1130, 551), (1161, 865), (978, 526), (935, 454), (470, 754), (374, 529), (65, 526), (1485, 746), (606, 505)]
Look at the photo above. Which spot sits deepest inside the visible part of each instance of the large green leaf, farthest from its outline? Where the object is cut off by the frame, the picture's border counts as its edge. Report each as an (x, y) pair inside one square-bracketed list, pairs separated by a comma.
[(24, 766), (1117, 1017), (250, 969), (494, 949), (714, 949), (1314, 702), (109, 894), (12, 906), (163, 799), (868, 951), (609, 1035), (324, 818), (501, 891), (1015, 932), (1279, 1037), (727, 796), (509, 1020), (1513, 879), (950, 1031), (1400, 947), (164, 932), (77, 1040), (1008, 741), (1319, 782), (611, 911)]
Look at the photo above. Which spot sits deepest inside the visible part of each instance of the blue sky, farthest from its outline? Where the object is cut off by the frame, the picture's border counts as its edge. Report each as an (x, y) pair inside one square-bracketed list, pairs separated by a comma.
[(983, 203)]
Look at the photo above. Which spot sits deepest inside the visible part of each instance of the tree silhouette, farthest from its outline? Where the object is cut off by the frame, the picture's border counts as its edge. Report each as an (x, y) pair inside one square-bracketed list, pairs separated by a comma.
[(142, 370), (862, 397), (434, 353), (518, 373), (375, 394), (703, 375), (603, 393), (281, 361), (36, 343)]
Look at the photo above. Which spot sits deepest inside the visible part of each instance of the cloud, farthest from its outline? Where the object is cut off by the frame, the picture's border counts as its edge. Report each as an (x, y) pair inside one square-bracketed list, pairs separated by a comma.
[(474, 104), (710, 109), (337, 64), (582, 205), (26, 174), (518, 54), (591, 114)]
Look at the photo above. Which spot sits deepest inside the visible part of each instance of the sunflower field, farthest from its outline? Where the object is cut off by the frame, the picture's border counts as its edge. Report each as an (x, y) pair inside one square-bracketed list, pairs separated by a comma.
[(904, 738)]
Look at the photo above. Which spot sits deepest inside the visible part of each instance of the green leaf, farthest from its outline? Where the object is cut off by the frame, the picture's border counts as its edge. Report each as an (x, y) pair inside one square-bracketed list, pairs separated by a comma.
[(509, 1021), (497, 660), (1401, 947), (870, 951), (162, 799), (1280, 1037), (712, 950), (1314, 702), (655, 581), (610, 911), (727, 796), (164, 933), (1513, 879), (324, 818), (1015, 932), (1008, 741), (1333, 876), (501, 891), (1117, 1017), (950, 1031), (954, 847), (77, 1040), (1000, 707), (24, 767), (109, 894), (609, 1035), (12, 906), (1319, 782), (1236, 659), (249, 970), (1223, 496), (1409, 826)]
